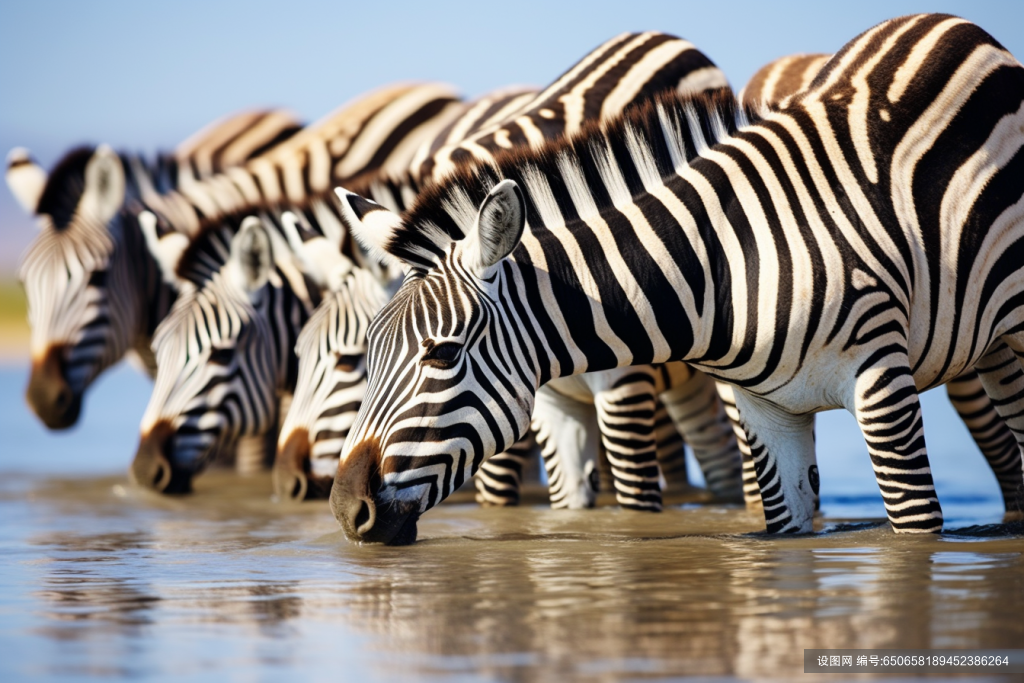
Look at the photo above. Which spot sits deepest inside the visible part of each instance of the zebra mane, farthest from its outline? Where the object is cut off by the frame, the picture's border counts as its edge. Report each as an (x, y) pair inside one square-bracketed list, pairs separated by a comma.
[(64, 187), (614, 161), (210, 249), (206, 252), (66, 182)]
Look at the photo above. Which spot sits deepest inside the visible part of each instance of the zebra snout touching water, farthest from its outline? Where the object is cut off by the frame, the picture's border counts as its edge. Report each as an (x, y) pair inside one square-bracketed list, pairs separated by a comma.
[(226, 352), (838, 252)]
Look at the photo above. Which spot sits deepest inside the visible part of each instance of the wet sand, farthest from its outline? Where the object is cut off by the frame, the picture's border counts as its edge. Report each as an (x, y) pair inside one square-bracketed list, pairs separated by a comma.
[(99, 578)]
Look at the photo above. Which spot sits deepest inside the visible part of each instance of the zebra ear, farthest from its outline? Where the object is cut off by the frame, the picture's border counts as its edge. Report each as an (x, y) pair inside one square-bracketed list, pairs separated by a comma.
[(498, 230), (104, 184), (165, 245), (319, 257), (371, 224), (26, 179), (251, 255)]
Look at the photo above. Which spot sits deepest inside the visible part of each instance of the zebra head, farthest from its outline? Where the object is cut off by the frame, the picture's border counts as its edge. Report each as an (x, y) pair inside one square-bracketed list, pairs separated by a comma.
[(449, 383), (331, 350), (75, 275), (217, 378)]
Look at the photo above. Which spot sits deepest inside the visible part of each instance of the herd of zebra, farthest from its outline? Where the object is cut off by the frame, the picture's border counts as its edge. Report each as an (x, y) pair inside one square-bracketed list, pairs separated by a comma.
[(418, 290)]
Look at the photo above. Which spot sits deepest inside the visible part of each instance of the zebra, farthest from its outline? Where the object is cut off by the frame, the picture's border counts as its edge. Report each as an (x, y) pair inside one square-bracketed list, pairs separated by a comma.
[(642, 64), (775, 81), (770, 86), (193, 231), (93, 292), (672, 233)]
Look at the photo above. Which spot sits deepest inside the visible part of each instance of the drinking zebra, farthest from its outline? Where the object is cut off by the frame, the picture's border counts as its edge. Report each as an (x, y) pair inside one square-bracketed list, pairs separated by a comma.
[(93, 292), (781, 255), (326, 399)]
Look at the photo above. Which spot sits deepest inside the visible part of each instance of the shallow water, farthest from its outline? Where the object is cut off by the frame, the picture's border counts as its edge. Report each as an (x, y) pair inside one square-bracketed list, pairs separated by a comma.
[(99, 579)]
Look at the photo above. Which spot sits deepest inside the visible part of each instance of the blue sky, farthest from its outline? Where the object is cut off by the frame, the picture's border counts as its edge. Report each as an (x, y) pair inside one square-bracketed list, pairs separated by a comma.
[(144, 75)]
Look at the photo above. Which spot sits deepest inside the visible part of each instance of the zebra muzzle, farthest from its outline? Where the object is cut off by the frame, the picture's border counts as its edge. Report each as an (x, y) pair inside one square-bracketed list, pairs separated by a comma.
[(151, 469), (293, 479), (48, 393), (355, 505)]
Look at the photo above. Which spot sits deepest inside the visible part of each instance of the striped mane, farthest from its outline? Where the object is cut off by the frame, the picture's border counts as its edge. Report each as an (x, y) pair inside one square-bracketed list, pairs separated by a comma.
[(208, 250), (657, 138), (64, 187)]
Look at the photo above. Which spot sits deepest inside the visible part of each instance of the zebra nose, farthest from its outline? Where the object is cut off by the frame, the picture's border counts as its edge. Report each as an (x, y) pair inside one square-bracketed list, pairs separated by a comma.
[(291, 467), (48, 393), (355, 485), (151, 468)]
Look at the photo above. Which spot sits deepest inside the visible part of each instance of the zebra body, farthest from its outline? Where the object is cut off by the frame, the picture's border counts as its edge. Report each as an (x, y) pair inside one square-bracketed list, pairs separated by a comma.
[(94, 292), (774, 82), (639, 65), (771, 86), (815, 259)]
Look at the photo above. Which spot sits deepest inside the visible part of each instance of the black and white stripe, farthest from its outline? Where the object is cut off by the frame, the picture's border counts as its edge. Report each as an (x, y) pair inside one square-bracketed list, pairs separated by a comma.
[(770, 87), (839, 252)]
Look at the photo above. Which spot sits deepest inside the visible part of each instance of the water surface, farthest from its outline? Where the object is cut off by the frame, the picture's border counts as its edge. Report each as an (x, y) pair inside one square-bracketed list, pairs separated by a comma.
[(99, 579)]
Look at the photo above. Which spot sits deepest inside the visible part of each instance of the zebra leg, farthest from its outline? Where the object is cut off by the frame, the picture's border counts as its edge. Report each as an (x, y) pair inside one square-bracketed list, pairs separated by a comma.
[(888, 410), (782, 449), (995, 440), (700, 417), (567, 431), (500, 479), (999, 372), (625, 417), (670, 449), (751, 489)]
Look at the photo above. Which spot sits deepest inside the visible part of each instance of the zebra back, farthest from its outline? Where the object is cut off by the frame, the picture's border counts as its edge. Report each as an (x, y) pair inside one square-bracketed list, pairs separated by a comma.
[(777, 80), (629, 68), (374, 134), (233, 140)]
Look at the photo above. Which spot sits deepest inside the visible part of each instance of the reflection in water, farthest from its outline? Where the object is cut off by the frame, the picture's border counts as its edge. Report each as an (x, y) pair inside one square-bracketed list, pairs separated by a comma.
[(226, 581)]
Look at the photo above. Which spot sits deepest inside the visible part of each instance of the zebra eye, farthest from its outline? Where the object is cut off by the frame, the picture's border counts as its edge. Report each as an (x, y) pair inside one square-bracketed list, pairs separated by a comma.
[(443, 355), (222, 356), (347, 362)]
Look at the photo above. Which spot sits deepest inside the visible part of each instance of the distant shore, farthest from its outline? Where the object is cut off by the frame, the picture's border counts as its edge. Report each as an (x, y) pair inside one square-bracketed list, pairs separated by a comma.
[(14, 333)]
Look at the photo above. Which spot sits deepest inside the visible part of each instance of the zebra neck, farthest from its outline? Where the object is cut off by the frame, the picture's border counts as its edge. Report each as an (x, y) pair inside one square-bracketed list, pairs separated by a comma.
[(590, 301), (153, 297), (286, 312)]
